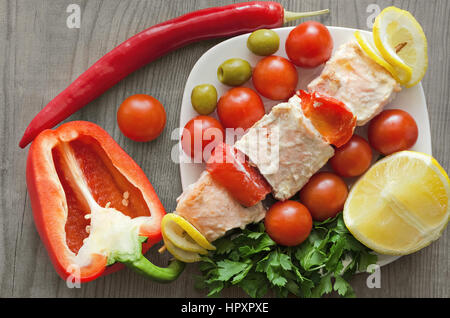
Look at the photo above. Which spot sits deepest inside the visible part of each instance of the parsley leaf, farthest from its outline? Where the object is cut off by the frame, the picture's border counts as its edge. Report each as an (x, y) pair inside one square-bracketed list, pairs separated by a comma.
[(324, 286), (227, 269), (251, 260), (342, 287)]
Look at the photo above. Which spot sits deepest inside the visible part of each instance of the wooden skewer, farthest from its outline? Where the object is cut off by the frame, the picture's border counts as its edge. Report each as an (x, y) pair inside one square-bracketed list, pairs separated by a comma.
[(162, 249)]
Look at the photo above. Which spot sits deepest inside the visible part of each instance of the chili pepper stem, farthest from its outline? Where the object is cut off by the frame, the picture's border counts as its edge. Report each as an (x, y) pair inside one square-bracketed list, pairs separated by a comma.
[(159, 274), (291, 16)]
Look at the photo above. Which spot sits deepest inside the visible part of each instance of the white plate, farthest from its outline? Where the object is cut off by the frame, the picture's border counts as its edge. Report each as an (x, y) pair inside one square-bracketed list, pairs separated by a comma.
[(204, 71)]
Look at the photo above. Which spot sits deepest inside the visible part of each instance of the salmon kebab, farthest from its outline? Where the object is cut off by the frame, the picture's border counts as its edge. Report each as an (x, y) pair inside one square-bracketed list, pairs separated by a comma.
[(290, 144)]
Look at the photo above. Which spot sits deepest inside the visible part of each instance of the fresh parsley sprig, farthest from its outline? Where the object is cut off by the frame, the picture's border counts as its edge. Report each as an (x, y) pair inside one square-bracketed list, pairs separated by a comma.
[(251, 260)]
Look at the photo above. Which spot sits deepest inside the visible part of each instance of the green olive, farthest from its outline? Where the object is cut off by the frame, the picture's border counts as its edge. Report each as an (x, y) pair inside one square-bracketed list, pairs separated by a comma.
[(204, 98), (234, 72), (263, 42)]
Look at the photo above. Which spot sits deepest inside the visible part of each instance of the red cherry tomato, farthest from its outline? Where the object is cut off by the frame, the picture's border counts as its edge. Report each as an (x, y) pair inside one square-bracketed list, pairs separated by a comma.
[(288, 223), (200, 135), (353, 158), (275, 77), (141, 117), (309, 44), (392, 130), (240, 107), (324, 195)]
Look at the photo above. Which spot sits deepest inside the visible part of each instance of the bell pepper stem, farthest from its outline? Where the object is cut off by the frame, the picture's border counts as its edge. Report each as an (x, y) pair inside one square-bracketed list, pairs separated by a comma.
[(291, 16), (159, 274)]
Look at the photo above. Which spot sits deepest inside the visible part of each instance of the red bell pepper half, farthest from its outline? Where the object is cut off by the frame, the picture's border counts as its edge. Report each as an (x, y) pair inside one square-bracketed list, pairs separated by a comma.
[(75, 174), (334, 121), (228, 166)]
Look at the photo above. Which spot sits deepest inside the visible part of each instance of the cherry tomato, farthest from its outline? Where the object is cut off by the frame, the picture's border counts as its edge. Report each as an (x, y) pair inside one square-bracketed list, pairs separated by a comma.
[(324, 195), (200, 135), (240, 107), (392, 130), (288, 223), (309, 44), (353, 158), (141, 117), (275, 77)]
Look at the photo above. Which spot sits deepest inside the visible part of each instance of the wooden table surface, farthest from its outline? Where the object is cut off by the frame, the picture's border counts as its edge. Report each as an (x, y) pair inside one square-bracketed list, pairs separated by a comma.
[(40, 56)]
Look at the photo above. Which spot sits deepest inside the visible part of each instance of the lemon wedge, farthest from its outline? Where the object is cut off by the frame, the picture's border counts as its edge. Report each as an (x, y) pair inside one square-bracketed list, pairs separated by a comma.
[(368, 46), (401, 41), (400, 205)]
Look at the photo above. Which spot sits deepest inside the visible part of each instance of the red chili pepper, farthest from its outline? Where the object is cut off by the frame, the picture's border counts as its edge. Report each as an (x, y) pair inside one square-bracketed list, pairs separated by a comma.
[(228, 166), (78, 170), (334, 121), (151, 44)]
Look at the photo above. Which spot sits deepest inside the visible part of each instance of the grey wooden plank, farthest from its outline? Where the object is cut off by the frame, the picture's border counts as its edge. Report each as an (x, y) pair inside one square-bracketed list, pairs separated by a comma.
[(40, 56)]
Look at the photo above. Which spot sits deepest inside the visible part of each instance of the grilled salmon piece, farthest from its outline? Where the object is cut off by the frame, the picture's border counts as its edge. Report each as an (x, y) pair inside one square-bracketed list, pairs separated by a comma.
[(359, 82), (211, 209), (286, 148)]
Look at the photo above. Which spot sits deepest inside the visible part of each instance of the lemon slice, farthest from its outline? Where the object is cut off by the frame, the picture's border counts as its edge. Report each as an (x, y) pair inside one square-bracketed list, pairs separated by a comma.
[(174, 233), (175, 225), (368, 46), (400, 205), (180, 254), (402, 42)]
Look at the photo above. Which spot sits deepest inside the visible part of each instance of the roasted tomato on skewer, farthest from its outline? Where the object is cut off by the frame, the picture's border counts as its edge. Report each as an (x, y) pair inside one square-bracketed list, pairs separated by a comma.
[(228, 166), (334, 121)]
